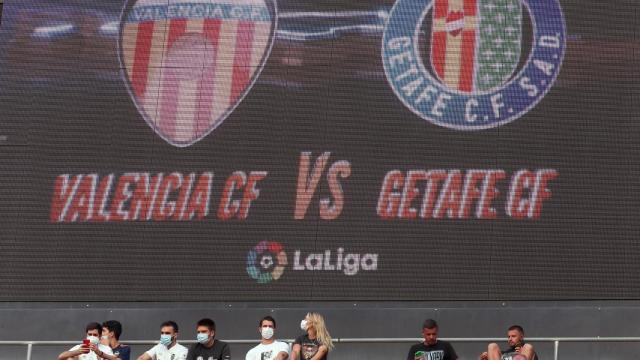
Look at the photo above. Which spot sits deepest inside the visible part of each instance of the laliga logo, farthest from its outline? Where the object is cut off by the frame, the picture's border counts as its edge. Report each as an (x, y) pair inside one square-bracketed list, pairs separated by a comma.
[(189, 63), (466, 71), (267, 261), (261, 265)]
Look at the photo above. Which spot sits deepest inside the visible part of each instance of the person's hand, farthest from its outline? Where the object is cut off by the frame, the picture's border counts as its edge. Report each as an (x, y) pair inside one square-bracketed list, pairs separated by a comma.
[(518, 348), (96, 349), (484, 356), (84, 349)]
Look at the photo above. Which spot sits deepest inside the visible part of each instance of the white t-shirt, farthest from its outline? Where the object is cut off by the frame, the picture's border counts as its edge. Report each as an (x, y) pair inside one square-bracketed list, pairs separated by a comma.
[(267, 352), (160, 352), (91, 355)]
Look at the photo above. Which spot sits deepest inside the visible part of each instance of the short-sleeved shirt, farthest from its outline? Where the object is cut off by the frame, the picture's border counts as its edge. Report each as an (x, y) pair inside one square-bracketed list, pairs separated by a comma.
[(308, 347), (91, 355), (160, 352), (219, 351), (267, 352), (441, 350), (509, 353), (122, 351)]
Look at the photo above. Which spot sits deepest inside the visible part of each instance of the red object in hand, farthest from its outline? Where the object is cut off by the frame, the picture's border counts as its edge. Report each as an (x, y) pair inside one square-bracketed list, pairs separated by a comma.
[(86, 342)]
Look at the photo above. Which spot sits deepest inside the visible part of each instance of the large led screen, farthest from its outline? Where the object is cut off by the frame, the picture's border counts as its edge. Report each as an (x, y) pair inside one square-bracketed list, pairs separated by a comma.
[(261, 150)]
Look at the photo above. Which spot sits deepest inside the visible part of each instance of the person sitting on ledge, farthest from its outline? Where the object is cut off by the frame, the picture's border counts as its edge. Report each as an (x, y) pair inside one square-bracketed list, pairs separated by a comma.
[(518, 349)]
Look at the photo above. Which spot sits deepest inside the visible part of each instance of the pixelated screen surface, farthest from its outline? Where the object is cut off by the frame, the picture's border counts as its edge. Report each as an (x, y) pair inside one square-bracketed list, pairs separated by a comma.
[(257, 150)]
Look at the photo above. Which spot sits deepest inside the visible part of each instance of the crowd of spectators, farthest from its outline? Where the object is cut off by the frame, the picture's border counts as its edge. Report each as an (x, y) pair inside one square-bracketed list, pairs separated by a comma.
[(102, 342)]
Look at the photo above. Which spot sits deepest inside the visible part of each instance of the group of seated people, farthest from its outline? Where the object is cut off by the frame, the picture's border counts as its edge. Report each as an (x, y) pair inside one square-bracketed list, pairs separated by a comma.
[(103, 343), (434, 349)]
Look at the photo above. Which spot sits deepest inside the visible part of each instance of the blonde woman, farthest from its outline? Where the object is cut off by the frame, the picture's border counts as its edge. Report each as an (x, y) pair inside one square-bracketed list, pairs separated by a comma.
[(316, 343)]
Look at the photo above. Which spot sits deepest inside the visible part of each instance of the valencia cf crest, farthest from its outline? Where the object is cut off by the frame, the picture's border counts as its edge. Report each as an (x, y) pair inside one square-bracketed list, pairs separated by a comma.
[(473, 64), (189, 63)]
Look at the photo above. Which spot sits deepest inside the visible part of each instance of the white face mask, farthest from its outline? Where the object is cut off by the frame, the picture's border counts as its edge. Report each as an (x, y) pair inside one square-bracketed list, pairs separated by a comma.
[(93, 339), (303, 325), (267, 333)]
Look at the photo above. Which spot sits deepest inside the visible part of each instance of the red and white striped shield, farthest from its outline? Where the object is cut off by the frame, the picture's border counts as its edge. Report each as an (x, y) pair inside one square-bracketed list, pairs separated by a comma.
[(453, 42), (189, 63), (475, 44)]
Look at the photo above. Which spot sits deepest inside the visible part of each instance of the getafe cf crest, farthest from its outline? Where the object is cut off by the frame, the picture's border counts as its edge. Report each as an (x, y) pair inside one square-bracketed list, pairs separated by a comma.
[(473, 64), (189, 63)]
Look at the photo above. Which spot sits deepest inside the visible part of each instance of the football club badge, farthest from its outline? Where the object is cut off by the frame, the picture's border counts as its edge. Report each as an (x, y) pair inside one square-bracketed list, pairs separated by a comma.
[(189, 63), (473, 64), (266, 261)]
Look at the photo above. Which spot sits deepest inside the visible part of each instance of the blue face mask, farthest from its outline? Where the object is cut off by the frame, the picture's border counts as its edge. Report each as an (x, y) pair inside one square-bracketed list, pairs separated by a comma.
[(165, 340), (202, 338)]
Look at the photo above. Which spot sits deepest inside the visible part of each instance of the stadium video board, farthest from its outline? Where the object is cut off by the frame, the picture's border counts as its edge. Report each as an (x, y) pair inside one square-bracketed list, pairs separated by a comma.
[(258, 150)]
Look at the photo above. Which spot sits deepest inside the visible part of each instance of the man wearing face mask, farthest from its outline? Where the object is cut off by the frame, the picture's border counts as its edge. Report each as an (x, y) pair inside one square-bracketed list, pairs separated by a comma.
[(90, 349), (111, 331), (208, 348), (168, 348), (269, 348)]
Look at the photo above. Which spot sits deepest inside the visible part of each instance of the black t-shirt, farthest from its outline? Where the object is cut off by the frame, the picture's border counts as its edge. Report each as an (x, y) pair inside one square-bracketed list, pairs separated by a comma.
[(308, 347), (219, 351), (441, 350), (510, 352), (122, 351)]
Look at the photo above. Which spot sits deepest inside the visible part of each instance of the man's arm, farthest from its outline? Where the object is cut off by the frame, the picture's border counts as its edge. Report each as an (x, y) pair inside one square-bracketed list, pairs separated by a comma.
[(68, 355), (281, 349), (144, 356), (226, 352), (527, 350), (249, 355), (101, 354), (108, 357), (412, 353), (72, 354), (191, 355)]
